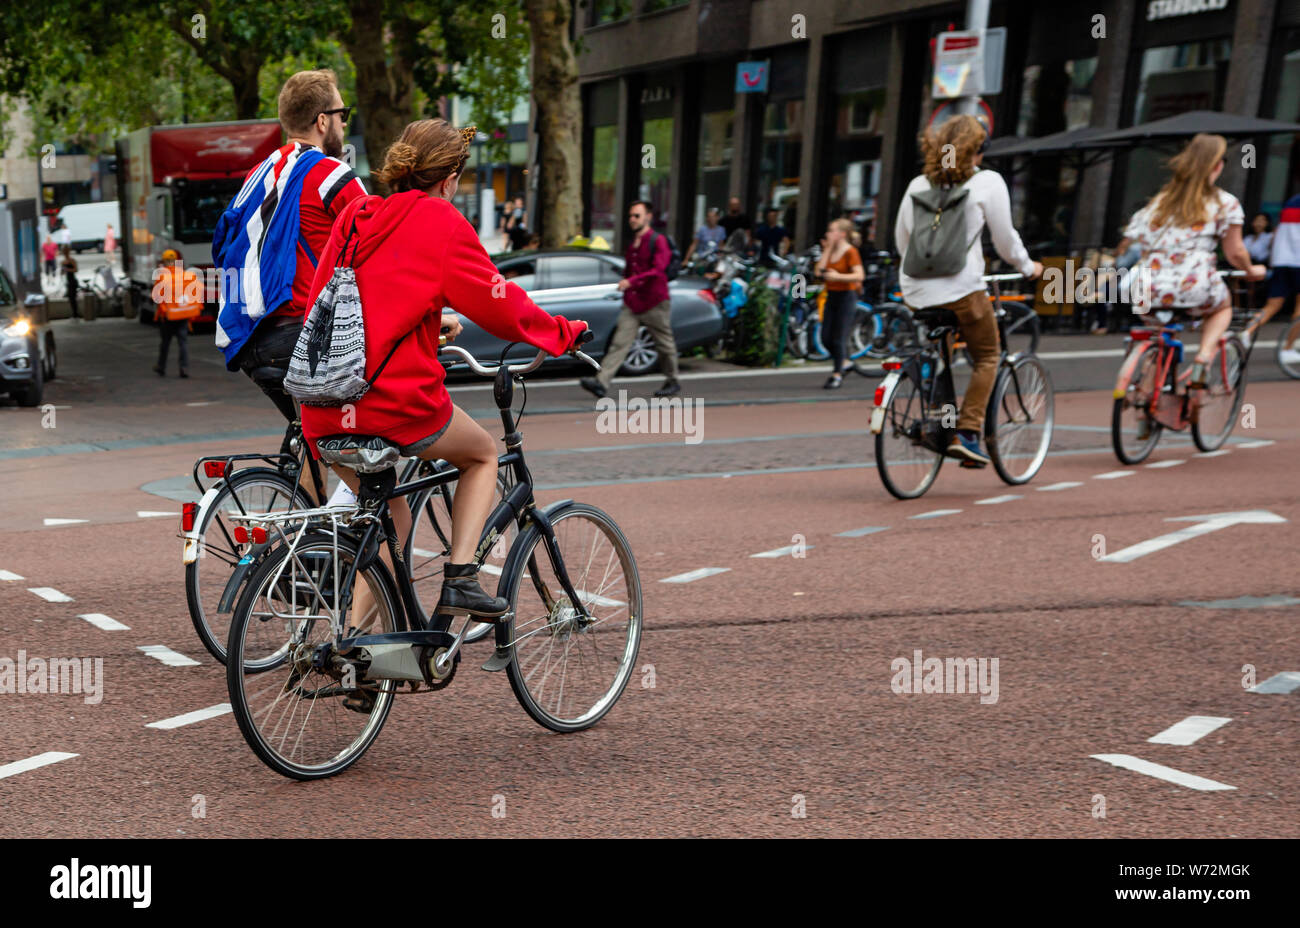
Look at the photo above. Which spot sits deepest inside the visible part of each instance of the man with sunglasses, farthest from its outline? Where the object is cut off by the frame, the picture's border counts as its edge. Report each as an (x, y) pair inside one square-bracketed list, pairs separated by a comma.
[(307, 176)]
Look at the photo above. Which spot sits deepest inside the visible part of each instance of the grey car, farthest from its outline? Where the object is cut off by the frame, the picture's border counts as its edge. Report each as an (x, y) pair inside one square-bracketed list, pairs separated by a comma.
[(578, 283), (27, 357)]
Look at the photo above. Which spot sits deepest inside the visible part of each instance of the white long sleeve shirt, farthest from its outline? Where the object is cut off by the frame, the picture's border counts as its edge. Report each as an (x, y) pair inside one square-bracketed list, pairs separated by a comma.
[(987, 203)]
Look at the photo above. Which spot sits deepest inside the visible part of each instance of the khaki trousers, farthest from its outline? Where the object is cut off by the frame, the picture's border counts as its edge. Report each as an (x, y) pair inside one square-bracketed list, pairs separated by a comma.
[(658, 321), (979, 327)]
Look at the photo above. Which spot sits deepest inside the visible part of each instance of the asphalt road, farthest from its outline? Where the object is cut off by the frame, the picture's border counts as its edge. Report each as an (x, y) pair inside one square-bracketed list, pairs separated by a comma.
[(773, 710)]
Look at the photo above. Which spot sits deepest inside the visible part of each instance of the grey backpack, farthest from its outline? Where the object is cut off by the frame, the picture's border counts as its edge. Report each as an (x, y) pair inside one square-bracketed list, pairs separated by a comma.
[(938, 244), (328, 366)]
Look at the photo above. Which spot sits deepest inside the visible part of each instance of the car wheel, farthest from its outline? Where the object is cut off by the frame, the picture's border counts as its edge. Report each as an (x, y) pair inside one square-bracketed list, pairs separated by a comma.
[(643, 356), (51, 363)]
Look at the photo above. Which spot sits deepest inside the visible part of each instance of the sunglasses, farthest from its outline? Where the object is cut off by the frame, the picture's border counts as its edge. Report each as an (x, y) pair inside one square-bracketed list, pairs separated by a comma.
[(346, 112)]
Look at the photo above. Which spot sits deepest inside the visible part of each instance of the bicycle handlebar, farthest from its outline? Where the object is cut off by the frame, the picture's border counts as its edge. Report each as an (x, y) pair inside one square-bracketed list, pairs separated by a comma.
[(534, 364), (987, 278)]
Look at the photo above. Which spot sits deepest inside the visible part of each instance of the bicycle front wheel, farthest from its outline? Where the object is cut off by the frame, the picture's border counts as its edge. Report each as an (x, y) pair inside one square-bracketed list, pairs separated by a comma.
[(303, 721), (1133, 432), (1018, 425), (258, 489), (567, 670), (1288, 350), (907, 464), (1221, 399)]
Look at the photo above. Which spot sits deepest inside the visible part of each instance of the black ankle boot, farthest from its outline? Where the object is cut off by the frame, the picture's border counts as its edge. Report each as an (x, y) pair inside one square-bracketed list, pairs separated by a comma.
[(461, 594)]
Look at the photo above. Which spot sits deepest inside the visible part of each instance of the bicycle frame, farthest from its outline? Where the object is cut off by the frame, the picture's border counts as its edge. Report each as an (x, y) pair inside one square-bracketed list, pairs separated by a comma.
[(1170, 414)]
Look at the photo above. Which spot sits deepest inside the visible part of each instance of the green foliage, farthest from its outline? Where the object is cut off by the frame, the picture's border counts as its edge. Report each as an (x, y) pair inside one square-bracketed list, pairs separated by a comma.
[(495, 80), (759, 327)]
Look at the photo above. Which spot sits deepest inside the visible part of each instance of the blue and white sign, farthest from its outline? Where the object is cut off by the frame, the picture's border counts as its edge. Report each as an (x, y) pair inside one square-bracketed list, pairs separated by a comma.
[(751, 77)]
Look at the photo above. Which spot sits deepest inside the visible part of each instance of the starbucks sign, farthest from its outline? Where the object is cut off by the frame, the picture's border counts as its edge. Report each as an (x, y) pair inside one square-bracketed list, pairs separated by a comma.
[(1163, 9)]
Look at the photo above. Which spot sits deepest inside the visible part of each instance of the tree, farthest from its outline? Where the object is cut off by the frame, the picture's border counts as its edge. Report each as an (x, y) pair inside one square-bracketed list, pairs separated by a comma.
[(559, 120)]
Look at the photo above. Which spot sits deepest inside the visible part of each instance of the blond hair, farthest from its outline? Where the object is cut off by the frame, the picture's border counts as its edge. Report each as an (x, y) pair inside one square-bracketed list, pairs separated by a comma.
[(426, 153), (1184, 199), (850, 233), (303, 97), (947, 166)]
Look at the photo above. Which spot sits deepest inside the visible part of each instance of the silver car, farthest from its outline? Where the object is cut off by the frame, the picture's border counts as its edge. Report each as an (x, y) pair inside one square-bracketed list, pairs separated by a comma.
[(27, 357), (578, 283)]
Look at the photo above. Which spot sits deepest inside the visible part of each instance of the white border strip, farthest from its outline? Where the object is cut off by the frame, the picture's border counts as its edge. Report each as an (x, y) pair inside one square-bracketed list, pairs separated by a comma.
[(1161, 772)]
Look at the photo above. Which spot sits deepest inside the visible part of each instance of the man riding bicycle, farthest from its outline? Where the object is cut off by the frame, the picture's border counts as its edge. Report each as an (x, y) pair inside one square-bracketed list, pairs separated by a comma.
[(953, 188)]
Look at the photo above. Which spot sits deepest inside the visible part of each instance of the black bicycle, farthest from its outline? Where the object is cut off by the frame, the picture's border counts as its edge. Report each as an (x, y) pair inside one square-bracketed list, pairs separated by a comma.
[(915, 414), (312, 679)]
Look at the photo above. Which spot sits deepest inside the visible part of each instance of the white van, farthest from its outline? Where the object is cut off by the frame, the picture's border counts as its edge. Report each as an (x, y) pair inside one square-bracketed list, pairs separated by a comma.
[(88, 222)]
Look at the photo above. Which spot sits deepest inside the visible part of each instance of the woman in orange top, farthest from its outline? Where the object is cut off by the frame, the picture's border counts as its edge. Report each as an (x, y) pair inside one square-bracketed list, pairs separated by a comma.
[(841, 267)]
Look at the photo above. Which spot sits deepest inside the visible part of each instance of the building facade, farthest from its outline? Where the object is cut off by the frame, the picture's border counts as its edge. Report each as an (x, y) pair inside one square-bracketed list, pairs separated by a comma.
[(845, 92)]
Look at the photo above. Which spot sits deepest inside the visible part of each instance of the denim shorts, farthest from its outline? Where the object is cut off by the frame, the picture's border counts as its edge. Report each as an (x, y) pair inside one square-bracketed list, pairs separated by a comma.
[(413, 449)]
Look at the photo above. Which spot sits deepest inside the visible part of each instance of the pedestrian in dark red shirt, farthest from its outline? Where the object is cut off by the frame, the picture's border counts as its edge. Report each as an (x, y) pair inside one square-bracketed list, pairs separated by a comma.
[(645, 303), (414, 255)]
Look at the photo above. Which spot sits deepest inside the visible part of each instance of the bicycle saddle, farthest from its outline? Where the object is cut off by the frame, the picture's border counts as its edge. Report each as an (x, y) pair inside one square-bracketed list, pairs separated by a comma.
[(934, 316), (366, 454)]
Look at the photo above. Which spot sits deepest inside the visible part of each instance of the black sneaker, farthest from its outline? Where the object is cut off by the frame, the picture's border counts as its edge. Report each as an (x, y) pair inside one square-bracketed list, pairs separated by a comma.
[(670, 388), (461, 595), (159, 371), (592, 385)]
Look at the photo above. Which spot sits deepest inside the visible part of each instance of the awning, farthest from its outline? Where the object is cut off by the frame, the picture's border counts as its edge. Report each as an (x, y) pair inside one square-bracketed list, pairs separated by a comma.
[(1185, 125), (1071, 140)]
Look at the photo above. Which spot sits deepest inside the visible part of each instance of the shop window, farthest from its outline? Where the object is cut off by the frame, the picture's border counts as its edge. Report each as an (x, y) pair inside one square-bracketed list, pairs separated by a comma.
[(713, 164), (654, 6), (1281, 161), (853, 165), (782, 147), (609, 11), (656, 180), (604, 175)]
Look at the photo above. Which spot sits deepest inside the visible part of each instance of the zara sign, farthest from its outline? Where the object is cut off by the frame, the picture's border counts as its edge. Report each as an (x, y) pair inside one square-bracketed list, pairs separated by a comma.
[(1163, 9)]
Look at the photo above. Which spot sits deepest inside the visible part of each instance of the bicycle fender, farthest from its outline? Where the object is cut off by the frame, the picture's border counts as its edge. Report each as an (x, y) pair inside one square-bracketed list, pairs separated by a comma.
[(885, 392), (1126, 369), (194, 539)]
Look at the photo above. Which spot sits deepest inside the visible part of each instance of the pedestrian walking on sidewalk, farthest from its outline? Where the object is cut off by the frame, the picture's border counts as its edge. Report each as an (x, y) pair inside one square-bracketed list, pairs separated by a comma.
[(645, 303), (50, 252), (179, 297), (840, 266), (69, 269)]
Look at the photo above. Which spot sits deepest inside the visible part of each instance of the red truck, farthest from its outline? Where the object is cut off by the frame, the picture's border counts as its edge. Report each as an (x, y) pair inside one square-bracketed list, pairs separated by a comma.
[(174, 182)]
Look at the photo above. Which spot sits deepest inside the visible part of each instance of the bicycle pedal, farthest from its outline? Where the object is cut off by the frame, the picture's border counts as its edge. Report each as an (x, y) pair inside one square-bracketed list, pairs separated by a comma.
[(500, 660)]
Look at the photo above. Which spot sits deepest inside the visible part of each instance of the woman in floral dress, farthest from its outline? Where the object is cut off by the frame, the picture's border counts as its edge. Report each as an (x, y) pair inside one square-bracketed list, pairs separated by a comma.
[(1179, 232)]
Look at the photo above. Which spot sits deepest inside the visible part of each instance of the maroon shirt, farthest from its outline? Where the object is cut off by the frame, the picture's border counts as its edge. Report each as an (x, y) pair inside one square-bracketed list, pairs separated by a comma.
[(646, 273)]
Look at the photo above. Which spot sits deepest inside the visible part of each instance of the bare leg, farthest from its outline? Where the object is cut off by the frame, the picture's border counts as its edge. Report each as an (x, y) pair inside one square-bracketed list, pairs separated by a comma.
[(1268, 312), (1212, 328), (470, 449)]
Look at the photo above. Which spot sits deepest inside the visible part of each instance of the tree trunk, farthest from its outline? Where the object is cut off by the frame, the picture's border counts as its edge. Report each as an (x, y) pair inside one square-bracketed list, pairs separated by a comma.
[(559, 121), (384, 80), (248, 98)]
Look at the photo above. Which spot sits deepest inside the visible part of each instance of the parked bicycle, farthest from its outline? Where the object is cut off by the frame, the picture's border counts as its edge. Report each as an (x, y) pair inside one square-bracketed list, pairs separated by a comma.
[(915, 412), (298, 654)]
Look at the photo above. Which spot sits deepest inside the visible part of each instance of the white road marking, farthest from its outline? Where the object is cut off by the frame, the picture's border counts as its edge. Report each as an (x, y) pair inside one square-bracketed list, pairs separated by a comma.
[(491, 569), (1174, 462), (1212, 454), (1190, 730), (1261, 443), (595, 599), (1283, 682), (1064, 485), (189, 718), (936, 513), (1161, 772), (50, 594), (782, 552), (1203, 526), (9, 575), (423, 552), (205, 403), (64, 521), (153, 514), (167, 655), (31, 763), (859, 532), (1114, 474), (699, 574), (103, 622), (994, 500)]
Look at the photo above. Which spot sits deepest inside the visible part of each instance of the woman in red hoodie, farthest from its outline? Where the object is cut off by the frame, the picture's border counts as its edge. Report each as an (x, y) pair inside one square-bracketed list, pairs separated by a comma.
[(414, 254)]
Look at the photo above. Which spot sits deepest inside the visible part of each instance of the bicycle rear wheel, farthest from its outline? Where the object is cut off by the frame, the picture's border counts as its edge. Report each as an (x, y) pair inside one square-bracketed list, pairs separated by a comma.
[(892, 331), (907, 465), (1221, 399), (1288, 350), (293, 714), (255, 489), (1133, 433), (565, 671), (1021, 414)]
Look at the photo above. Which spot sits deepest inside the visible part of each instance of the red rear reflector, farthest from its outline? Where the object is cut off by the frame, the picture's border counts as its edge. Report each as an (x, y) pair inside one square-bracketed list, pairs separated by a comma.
[(880, 394), (188, 512), (1140, 335), (709, 295), (259, 536), (892, 365), (241, 535), (214, 468)]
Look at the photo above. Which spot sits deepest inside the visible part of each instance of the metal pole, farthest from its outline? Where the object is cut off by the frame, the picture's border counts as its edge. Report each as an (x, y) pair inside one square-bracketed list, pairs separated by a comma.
[(977, 20)]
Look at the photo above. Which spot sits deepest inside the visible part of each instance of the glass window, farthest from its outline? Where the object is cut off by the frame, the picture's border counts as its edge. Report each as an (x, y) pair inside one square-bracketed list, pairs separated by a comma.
[(853, 160), (571, 271), (608, 11), (523, 273), (6, 292), (604, 174), (199, 205), (1281, 160), (652, 6), (656, 180), (782, 147), (713, 166)]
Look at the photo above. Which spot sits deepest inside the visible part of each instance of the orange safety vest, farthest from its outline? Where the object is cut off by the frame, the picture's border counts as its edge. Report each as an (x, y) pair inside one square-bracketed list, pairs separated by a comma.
[(180, 297)]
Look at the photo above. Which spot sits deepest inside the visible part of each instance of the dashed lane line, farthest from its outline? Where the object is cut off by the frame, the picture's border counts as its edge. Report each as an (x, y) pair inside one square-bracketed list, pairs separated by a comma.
[(1284, 682), (1261, 443), (782, 552), (50, 594), (10, 575), (1063, 485), (935, 514), (32, 763), (1170, 463), (995, 500), (1161, 772), (64, 521), (1212, 454), (153, 514), (167, 655), (859, 532), (104, 623), (1114, 474), (1190, 730), (698, 574), (189, 718)]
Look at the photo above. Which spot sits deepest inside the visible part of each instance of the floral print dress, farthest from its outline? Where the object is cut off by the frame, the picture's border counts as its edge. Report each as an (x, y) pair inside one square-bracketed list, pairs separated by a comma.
[(1179, 261)]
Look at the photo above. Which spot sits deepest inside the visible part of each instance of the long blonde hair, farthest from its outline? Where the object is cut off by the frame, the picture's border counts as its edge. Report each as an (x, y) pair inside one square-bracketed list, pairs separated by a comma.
[(1184, 199), (850, 233)]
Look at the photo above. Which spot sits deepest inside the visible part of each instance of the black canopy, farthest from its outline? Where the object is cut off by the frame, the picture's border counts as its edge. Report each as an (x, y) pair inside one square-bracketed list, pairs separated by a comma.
[(1071, 140), (1185, 125)]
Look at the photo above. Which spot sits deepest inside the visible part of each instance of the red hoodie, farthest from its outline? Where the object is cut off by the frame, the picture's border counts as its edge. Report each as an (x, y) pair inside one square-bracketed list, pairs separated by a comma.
[(416, 254)]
